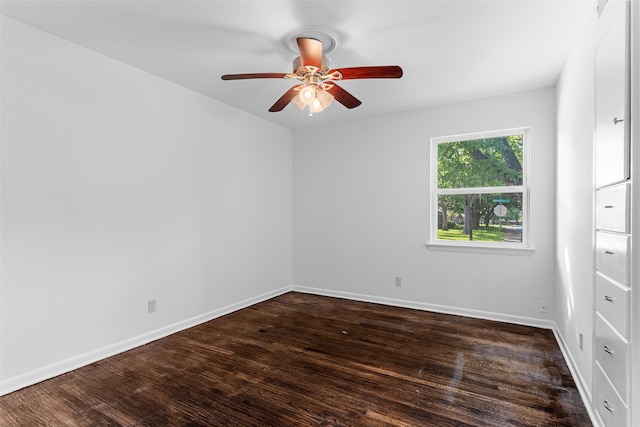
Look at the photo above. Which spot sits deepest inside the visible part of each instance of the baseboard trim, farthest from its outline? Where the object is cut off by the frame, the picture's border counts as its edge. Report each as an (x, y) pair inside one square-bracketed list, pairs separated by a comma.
[(15, 383), (583, 388), (487, 315)]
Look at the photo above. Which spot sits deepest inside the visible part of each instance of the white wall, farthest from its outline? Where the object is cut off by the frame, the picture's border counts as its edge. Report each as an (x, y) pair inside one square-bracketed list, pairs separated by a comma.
[(361, 192), (118, 187), (574, 262)]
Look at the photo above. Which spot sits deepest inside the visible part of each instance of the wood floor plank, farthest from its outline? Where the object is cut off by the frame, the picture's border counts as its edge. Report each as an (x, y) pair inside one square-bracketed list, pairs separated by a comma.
[(305, 360)]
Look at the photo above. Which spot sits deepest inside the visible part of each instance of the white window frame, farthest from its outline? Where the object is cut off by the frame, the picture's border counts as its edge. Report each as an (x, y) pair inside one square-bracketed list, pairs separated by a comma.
[(472, 246)]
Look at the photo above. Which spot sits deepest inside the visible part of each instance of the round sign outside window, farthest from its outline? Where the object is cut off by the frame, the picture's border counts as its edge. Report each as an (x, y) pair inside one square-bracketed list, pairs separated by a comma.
[(500, 210)]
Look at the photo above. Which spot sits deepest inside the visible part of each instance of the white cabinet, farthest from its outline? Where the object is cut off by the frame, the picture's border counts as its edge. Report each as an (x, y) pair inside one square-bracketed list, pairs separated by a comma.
[(612, 410), (612, 302), (612, 155), (614, 220), (612, 256), (613, 208), (612, 353)]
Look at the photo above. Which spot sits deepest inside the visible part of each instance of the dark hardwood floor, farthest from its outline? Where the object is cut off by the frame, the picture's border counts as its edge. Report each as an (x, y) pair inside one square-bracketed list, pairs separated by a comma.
[(305, 360)]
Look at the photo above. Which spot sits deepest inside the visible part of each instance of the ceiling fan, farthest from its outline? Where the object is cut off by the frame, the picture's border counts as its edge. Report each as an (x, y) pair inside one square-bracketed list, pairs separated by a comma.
[(318, 89)]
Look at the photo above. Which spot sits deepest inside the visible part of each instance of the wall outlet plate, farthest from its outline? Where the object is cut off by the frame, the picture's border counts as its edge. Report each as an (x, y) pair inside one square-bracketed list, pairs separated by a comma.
[(580, 340), (151, 306)]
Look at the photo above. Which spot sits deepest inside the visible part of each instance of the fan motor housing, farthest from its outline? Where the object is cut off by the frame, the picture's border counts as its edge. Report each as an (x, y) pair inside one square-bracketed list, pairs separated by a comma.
[(302, 71)]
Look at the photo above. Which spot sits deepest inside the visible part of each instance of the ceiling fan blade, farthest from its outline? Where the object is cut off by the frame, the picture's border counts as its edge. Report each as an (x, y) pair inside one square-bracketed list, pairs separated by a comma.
[(378, 72), (344, 97), (254, 76), (285, 99), (310, 52)]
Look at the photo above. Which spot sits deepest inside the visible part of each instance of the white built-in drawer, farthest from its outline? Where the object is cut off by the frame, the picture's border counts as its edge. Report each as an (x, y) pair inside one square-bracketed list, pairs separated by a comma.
[(612, 252), (612, 208), (612, 410), (612, 301), (612, 352)]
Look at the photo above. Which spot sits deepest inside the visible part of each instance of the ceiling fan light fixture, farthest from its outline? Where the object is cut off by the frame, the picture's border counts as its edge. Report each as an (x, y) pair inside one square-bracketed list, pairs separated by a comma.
[(315, 107), (323, 100), (300, 104), (308, 94)]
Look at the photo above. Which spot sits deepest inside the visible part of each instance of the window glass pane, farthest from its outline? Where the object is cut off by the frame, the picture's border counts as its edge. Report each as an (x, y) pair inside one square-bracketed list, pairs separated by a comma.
[(485, 162), (480, 217)]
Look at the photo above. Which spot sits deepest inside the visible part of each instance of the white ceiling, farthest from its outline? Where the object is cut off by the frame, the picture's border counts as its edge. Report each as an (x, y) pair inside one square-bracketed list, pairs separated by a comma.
[(450, 50)]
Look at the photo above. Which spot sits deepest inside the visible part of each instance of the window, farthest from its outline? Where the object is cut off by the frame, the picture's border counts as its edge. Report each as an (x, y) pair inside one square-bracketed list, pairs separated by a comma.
[(480, 191)]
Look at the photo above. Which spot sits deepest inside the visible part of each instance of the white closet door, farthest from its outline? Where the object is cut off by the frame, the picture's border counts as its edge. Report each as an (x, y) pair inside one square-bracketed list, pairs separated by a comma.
[(612, 147)]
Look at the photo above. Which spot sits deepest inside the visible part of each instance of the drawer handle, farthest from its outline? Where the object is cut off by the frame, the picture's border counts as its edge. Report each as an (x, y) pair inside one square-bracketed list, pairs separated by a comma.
[(608, 406), (617, 120), (608, 349), (609, 206), (608, 252), (608, 298)]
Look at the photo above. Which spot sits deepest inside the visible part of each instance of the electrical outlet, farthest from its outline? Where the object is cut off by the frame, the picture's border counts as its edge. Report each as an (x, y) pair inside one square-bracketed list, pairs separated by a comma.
[(580, 339), (543, 306), (151, 306), (398, 281)]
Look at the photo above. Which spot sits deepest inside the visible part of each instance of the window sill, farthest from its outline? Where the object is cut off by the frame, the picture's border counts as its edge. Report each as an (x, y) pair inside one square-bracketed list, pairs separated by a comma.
[(512, 250)]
